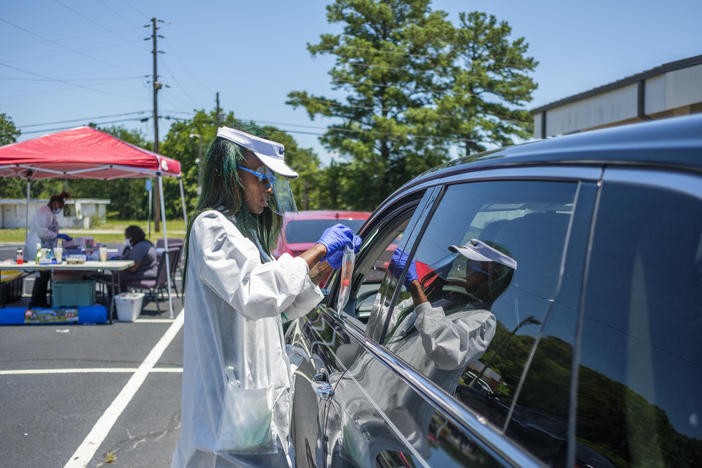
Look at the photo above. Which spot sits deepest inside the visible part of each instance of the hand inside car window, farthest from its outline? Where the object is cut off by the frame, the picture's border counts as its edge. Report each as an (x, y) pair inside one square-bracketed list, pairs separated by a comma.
[(445, 311)]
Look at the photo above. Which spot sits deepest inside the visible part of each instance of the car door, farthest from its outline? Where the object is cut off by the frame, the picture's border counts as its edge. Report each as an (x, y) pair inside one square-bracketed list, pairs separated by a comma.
[(639, 393), (321, 349), (402, 401)]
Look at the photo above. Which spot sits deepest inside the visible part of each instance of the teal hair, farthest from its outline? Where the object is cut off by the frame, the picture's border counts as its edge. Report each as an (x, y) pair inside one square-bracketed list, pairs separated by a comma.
[(223, 190)]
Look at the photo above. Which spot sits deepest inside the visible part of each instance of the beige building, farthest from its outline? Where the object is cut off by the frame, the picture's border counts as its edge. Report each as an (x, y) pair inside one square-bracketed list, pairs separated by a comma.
[(81, 213), (668, 90)]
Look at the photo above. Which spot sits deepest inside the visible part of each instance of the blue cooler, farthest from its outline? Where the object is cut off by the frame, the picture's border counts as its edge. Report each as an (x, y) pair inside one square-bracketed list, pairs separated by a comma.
[(73, 293)]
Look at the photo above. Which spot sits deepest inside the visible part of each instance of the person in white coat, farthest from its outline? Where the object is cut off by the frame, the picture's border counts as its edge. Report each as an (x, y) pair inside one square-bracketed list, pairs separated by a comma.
[(43, 231), (236, 376)]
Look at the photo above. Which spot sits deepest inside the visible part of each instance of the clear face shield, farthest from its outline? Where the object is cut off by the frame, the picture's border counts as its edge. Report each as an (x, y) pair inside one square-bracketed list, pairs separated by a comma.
[(282, 200)]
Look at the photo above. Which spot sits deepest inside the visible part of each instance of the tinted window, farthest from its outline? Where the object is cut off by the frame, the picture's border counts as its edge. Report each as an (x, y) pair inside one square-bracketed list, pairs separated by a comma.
[(473, 316), (640, 376), (309, 230)]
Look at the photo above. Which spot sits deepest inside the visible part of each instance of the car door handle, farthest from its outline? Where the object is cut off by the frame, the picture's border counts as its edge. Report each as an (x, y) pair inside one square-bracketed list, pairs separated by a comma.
[(324, 390)]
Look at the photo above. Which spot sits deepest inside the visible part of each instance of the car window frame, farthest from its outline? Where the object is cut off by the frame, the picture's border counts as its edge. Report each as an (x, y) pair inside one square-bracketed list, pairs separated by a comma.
[(385, 219)]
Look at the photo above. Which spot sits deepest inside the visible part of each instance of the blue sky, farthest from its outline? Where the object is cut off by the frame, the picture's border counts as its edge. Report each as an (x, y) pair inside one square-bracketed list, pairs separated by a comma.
[(75, 60)]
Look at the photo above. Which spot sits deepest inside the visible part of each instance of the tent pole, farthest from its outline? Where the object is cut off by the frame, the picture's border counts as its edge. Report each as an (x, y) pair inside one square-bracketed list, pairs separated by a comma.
[(182, 199), (165, 244), (26, 217)]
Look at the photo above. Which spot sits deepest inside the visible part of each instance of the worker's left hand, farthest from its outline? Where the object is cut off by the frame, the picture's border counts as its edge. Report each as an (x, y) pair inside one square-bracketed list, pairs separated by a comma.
[(397, 264), (65, 237), (337, 257), (335, 238)]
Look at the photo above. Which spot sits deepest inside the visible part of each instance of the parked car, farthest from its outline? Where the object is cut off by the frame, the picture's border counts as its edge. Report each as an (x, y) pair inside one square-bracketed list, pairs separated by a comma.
[(585, 354), (302, 229)]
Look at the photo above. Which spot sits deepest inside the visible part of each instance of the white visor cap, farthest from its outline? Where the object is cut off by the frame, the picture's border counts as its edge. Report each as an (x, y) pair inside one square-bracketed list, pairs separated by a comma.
[(270, 153), (478, 250)]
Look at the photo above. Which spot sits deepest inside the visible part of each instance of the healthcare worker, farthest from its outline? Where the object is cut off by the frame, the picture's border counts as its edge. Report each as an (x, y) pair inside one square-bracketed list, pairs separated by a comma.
[(43, 231), (236, 376)]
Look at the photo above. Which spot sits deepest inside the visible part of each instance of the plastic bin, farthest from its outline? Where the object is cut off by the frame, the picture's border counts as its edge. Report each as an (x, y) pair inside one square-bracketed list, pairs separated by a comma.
[(128, 306), (10, 287), (73, 293)]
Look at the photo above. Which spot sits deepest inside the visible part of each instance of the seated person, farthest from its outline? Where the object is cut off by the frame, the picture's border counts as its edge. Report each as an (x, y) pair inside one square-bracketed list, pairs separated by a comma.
[(143, 253)]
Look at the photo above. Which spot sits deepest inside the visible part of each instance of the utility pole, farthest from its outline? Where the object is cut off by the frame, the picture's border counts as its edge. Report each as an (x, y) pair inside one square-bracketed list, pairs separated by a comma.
[(156, 86), (217, 109)]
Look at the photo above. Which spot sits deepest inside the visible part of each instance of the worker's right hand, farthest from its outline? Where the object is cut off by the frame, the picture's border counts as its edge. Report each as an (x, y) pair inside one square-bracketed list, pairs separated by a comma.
[(65, 237), (334, 239), (397, 264)]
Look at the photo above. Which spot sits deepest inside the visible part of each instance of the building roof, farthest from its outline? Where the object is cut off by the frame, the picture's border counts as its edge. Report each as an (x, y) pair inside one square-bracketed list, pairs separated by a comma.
[(674, 143), (659, 70)]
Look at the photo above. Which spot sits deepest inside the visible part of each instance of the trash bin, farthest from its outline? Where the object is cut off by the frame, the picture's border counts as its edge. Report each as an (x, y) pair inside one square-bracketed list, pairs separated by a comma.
[(128, 306)]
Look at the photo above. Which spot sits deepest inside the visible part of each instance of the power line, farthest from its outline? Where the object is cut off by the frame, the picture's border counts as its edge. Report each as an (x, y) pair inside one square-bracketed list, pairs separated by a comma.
[(64, 46), (66, 82), (339, 129), (185, 67), (141, 13), (82, 119), (113, 11), (85, 17), (36, 57), (178, 82), (96, 123), (67, 38), (116, 78)]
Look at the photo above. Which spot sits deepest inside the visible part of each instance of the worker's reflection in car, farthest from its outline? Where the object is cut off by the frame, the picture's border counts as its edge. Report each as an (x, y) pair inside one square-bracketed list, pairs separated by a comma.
[(443, 323)]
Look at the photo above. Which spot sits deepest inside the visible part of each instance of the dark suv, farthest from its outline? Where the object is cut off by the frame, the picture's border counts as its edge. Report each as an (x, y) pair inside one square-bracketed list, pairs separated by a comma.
[(579, 344)]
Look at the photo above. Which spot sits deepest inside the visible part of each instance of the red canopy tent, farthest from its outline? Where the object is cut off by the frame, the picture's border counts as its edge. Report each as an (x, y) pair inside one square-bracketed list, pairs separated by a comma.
[(87, 153)]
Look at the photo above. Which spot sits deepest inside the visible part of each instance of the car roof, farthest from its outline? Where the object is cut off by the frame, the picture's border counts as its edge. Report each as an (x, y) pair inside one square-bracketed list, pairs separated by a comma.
[(673, 142), (327, 214)]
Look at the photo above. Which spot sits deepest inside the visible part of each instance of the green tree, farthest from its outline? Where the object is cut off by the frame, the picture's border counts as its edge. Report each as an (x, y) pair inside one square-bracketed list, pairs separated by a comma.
[(13, 187), (8, 131), (411, 93), (10, 187), (487, 86)]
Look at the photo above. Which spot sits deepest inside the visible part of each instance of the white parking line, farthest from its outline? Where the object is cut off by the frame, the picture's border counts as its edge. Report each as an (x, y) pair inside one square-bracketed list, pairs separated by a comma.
[(87, 370), (82, 456)]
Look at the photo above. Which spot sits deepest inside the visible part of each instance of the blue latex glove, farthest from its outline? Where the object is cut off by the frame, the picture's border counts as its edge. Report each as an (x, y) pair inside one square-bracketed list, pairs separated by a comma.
[(336, 258), (65, 237), (397, 264), (334, 239)]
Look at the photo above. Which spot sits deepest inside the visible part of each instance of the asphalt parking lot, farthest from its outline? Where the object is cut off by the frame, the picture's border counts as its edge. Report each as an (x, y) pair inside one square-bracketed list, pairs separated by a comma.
[(92, 395)]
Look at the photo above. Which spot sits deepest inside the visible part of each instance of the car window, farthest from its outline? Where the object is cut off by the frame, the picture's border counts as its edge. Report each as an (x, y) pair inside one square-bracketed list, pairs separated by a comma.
[(300, 231), (484, 277), (372, 288), (639, 398)]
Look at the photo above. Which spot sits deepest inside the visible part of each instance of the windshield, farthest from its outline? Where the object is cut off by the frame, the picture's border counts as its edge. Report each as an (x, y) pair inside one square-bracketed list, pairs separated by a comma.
[(309, 230)]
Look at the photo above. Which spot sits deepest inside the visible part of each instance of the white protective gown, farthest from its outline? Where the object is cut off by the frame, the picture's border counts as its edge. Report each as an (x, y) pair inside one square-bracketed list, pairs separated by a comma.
[(232, 332), (42, 230)]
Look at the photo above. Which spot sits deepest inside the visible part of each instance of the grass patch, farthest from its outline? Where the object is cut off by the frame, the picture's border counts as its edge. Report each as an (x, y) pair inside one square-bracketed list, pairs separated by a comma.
[(12, 235), (176, 228)]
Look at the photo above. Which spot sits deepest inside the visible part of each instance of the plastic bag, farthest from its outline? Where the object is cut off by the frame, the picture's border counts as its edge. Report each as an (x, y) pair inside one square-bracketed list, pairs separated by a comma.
[(245, 423), (347, 264)]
